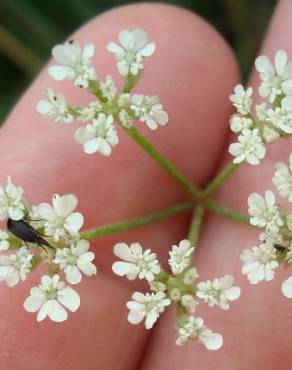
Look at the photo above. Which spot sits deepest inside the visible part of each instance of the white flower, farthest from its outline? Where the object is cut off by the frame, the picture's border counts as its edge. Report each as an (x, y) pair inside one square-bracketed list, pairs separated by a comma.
[(75, 64), (55, 109), (35, 219), (281, 117), (11, 202), (157, 286), (90, 112), (264, 211), (125, 118), (137, 263), (272, 238), (132, 52), (238, 123), (75, 260), (15, 267), (189, 302), (124, 100), (180, 256), (277, 79), (100, 136), (50, 297), (175, 295), (250, 147), (148, 109), (218, 292), (261, 111), (190, 276), (241, 99), (259, 262), (4, 240), (149, 306), (60, 219), (286, 287), (194, 329), (283, 179), (108, 88), (270, 135)]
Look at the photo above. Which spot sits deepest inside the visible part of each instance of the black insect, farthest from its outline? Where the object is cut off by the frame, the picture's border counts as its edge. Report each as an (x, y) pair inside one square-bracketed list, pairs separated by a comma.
[(279, 247), (27, 233)]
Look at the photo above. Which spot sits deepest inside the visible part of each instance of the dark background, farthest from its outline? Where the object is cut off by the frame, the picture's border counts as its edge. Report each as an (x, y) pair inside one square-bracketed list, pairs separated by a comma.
[(29, 29)]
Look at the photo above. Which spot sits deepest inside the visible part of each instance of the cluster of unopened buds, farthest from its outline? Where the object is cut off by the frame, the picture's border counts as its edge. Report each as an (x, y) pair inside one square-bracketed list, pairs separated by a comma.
[(50, 234)]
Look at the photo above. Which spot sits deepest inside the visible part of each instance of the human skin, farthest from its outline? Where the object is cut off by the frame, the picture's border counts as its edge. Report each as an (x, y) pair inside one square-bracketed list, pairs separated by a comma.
[(193, 71)]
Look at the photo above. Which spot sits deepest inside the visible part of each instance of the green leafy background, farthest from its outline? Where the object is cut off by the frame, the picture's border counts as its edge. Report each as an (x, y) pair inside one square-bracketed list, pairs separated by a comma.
[(29, 29)]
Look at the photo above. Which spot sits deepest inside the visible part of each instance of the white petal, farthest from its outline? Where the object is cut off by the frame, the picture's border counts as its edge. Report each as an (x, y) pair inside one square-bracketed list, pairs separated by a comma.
[(123, 251), (87, 268), (226, 281), (82, 246), (212, 341), (12, 278), (147, 50), (135, 317), (73, 275), (69, 298), (43, 106), (54, 310), (33, 304), (88, 52), (59, 73), (86, 257), (151, 318), (82, 135), (46, 212), (91, 146), (280, 61), (64, 205), (286, 287), (232, 293), (74, 222), (15, 213), (104, 148), (124, 268)]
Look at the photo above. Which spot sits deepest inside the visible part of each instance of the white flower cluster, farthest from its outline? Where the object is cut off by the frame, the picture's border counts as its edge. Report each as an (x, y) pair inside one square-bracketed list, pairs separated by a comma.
[(178, 287), (275, 248), (111, 108), (273, 120), (61, 249)]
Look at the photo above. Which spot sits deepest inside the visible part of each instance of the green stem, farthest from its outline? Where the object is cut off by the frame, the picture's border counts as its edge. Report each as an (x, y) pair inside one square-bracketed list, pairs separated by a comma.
[(222, 177), (134, 223), (196, 224), (163, 162), (228, 213), (130, 82)]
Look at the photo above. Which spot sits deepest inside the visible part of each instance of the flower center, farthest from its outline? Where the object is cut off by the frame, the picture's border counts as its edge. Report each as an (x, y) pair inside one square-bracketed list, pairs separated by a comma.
[(52, 294)]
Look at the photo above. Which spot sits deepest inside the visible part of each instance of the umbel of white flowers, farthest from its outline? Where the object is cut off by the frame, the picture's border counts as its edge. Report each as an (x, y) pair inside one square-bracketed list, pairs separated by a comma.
[(70, 257), (275, 248), (273, 119), (179, 287), (110, 108)]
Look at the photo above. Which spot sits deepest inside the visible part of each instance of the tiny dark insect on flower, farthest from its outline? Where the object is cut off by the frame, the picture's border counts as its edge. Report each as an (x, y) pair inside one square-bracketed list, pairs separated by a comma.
[(27, 233), (280, 248)]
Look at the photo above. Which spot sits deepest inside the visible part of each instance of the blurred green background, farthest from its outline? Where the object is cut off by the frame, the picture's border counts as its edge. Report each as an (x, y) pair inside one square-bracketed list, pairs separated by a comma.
[(29, 29)]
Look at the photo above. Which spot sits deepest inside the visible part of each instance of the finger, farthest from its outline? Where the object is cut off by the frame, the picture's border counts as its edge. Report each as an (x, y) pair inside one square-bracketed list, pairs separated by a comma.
[(45, 160), (257, 330)]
